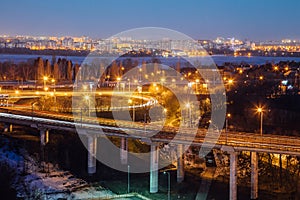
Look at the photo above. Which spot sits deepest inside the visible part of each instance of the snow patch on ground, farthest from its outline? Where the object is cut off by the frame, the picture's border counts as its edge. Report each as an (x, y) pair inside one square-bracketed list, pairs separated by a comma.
[(45, 181)]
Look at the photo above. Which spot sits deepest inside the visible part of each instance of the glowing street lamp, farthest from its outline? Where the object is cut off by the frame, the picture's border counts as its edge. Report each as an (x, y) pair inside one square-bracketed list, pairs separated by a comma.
[(230, 83), (286, 68), (261, 112), (226, 125)]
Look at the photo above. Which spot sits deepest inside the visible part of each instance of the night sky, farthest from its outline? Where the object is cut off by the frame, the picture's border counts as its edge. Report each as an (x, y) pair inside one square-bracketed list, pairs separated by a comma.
[(243, 19)]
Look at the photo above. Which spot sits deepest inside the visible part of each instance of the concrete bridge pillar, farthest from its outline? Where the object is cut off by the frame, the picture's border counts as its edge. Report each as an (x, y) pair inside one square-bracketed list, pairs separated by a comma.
[(233, 176), (180, 163), (44, 136), (124, 151), (154, 156), (233, 171), (92, 149), (10, 128), (254, 175)]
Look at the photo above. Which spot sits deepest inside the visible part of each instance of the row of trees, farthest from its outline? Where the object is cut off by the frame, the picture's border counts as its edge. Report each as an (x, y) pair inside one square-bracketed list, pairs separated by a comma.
[(36, 69), (62, 69)]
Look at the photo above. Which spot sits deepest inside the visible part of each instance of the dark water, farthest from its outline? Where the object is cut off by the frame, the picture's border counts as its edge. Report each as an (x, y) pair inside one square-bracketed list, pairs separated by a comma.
[(218, 59)]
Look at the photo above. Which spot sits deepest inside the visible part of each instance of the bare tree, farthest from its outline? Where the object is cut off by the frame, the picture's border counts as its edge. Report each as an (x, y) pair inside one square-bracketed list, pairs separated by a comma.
[(26, 71), (12, 72)]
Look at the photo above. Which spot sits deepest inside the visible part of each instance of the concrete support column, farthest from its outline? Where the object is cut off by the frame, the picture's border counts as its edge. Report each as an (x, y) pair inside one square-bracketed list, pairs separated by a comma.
[(180, 163), (154, 169), (10, 128), (124, 151), (44, 136), (92, 149), (254, 175), (6, 127), (233, 176)]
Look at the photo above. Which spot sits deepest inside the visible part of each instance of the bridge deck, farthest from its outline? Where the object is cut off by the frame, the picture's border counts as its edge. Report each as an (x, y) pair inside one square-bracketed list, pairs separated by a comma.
[(151, 133)]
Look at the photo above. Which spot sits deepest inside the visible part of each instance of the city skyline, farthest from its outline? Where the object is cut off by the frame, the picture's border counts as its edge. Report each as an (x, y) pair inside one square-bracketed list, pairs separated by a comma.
[(253, 20)]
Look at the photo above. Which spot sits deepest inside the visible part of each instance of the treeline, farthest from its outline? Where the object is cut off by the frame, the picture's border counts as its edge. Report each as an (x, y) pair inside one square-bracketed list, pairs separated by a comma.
[(37, 69), (62, 69)]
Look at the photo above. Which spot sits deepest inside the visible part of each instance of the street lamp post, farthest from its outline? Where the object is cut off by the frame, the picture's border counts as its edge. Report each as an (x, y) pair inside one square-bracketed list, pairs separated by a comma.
[(32, 108), (54, 90), (226, 125), (133, 113), (261, 112), (133, 109), (129, 85), (128, 178), (169, 184), (261, 123)]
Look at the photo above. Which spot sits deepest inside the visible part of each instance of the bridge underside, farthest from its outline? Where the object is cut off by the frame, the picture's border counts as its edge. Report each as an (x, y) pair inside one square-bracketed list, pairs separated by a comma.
[(265, 144)]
